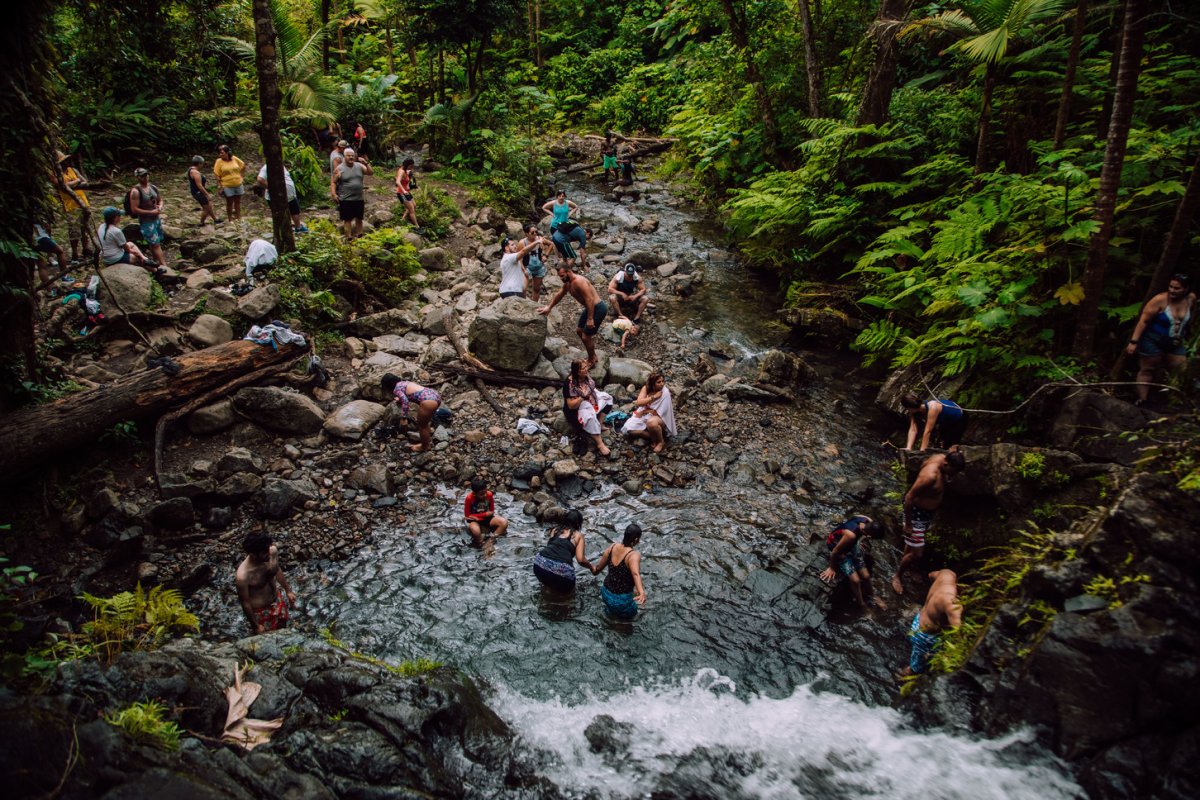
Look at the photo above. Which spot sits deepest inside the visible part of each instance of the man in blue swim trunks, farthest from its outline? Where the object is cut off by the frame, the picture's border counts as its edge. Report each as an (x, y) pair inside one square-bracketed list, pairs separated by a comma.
[(940, 612), (921, 504), (594, 309), (847, 558)]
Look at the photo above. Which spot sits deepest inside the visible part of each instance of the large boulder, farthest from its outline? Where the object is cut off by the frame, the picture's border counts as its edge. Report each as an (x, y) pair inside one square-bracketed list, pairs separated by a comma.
[(354, 419), (279, 409), (1092, 423), (394, 320), (434, 321), (130, 288), (410, 344), (784, 369), (279, 497), (434, 259), (628, 370), (372, 478), (209, 330), (644, 259), (212, 418), (509, 334), (259, 303)]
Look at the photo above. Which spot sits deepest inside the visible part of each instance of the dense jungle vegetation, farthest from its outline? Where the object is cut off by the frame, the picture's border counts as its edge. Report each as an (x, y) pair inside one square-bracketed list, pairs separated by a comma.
[(1002, 181)]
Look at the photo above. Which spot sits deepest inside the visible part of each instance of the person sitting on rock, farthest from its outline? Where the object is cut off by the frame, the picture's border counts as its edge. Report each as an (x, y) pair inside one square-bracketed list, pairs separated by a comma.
[(943, 417), (405, 393), (941, 611), (480, 511), (552, 565), (921, 503), (846, 556), (261, 585), (594, 309), (628, 292), (654, 416), (114, 248), (583, 403), (513, 276)]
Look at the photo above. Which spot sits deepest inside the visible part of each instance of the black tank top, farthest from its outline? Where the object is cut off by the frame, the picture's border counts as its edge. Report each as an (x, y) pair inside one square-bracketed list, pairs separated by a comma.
[(619, 579), (559, 548)]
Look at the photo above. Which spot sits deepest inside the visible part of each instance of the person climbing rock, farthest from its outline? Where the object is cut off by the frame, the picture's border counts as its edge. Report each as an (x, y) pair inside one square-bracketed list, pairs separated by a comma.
[(622, 590), (847, 557), (261, 585), (941, 612), (406, 393), (921, 503), (594, 309), (1158, 337), (479, 508), (935, 420)]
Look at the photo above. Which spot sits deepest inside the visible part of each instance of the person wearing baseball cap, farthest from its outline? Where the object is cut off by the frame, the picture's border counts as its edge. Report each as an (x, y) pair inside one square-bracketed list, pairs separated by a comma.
[(628, 292), (114, 249)]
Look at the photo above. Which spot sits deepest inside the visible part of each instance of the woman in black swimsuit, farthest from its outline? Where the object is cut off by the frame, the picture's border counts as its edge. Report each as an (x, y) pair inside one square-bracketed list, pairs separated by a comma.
[(622, 590), (552, 565)]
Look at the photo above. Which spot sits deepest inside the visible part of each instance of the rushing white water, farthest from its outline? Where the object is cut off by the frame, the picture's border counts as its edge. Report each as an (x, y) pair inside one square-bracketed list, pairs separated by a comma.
[(808, 745)]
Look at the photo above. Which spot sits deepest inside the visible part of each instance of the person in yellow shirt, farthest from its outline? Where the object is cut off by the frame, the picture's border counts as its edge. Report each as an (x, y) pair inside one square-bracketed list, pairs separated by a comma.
[(229, 171), (72, 186)]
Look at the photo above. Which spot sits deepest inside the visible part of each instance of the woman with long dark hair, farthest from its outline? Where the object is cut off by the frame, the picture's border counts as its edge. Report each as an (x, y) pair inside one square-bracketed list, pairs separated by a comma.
[(583, 403), (622, 590), (552, 565)]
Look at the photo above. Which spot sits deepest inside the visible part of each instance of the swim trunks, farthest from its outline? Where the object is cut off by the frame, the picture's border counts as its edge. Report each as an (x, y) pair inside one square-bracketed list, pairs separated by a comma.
[(152, 231), (622, 606), (599, 312), (851, 562), (920, 520), (274, 616), (610, 162), (923, 645)]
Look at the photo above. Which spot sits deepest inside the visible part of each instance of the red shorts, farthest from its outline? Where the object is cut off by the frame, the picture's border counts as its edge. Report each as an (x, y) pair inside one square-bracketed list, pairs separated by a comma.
[(274, 616)]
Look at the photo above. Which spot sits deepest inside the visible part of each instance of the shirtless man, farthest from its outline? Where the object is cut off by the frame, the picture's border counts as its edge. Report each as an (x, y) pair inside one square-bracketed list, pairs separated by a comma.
[(941, 611), (594, 309), (920, 505), (261, 585)]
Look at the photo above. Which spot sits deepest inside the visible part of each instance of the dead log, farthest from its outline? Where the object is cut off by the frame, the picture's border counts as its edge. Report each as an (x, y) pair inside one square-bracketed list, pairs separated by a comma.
[(34, 435), (635, 139), (644, 151), (515, 379)]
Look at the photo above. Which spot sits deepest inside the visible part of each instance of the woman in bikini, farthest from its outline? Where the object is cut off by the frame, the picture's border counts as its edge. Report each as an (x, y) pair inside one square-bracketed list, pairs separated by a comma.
[(427, 401)]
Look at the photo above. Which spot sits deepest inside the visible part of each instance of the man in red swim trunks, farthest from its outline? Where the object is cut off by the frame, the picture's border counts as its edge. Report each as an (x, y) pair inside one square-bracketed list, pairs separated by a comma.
[(261, 585)]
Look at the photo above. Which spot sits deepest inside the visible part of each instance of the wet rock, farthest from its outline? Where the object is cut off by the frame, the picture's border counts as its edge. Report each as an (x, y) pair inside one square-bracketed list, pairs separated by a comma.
[(509, 334), (434, 259), (410, 344), (629, 370), (394, 320), (784, 370), (644, 259), (667, 270), (174, 484), (174, 514), (278, 497), (354, 419), (259, 303), (278, 409), (209, 330), (373, 478), (607, 736), (1091, 423), (565, 468), (633, 487), (238, 487), (217, 518), (130, 289)]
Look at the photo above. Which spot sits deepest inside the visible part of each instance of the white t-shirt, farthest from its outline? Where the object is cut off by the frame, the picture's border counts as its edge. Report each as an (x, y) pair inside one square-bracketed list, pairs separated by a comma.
[(512, 275), (112, 243), (287, 181), (335, 158)]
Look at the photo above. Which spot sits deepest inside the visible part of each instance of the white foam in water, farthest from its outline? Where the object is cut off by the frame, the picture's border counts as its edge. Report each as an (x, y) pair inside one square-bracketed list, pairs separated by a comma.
[(809, 745)]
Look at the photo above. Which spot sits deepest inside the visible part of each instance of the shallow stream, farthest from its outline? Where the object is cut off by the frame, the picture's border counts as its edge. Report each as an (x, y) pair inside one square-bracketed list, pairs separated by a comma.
[(725, 686)]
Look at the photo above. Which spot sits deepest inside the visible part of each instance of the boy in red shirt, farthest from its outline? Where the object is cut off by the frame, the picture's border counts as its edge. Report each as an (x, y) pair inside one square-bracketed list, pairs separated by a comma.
[(480, 511)]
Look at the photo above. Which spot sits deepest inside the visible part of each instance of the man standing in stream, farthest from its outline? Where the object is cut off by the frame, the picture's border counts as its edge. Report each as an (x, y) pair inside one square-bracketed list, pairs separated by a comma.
[(594, 309), (261, 585), (921, 504)]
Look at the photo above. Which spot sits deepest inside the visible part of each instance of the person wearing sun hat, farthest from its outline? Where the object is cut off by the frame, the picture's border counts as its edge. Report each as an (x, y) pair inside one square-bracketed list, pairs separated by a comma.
[(74, 202)]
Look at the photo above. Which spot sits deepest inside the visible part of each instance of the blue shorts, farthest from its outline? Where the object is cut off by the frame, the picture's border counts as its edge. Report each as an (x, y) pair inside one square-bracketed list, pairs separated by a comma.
[(537, 267), (152, 231), (923, 645), (598, 315), (1152, 346), (852, 562), (621, 606), (234, 191)]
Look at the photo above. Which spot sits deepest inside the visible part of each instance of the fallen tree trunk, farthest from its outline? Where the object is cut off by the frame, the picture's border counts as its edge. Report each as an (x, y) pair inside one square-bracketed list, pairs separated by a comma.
[(645, 151), (503, 378), (33, 435), (635, 139)]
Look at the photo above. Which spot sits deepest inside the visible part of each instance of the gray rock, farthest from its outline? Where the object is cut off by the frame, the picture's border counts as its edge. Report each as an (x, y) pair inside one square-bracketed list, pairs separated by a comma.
[(434, 321), (394, 320), (467, 301), (217, 518), (354, 419), (166, 341), (1091, 424), (259, 303), (784, 370), (210, 419), (174, 514), (544, 369), (509, 334), (644, 259), (209, 330), (440, 350), (434, 259), (200, 279), (219, 302), (410, 344), (279, 410), (633, 487), (629, 370), (238, 487), (130, 287), (667, 270), (238, 459), (373, 478), (101, 502), (278, 497), (566, 468)]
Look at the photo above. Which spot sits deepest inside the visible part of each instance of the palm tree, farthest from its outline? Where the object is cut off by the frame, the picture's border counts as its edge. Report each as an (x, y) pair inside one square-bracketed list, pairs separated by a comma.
[(986, 30), (308, 94)]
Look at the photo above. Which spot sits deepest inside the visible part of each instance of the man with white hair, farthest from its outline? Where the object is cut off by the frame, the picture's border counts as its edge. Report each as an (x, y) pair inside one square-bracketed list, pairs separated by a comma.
[(346, 189)]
